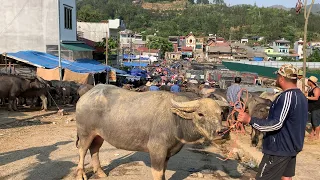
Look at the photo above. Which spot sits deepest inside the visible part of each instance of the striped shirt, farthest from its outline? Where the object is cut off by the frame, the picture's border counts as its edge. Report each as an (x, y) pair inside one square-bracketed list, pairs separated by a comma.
[(232, 94), (286, 123)]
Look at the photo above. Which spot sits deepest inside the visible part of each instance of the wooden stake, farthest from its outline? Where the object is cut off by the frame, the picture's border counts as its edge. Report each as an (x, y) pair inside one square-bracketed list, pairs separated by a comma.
[(306, 17)]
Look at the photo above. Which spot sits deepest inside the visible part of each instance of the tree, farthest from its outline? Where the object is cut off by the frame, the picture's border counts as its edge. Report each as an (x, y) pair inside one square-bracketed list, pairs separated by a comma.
[(314, 57), (88, 14), (160, 43), (112, 45)]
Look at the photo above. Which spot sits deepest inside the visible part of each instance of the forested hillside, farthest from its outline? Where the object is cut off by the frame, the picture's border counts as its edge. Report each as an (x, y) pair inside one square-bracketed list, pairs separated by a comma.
[(229, 22)]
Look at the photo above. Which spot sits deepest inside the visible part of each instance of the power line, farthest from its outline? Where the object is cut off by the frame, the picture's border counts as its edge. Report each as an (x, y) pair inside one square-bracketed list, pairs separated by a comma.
[(6, 27)]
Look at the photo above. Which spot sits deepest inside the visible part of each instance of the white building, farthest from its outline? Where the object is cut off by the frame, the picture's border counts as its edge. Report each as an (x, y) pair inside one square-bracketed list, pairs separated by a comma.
[(244, 40), (131, 40), (298, 47), (33, 25), (115, 26), (281, 46), (93, 31)]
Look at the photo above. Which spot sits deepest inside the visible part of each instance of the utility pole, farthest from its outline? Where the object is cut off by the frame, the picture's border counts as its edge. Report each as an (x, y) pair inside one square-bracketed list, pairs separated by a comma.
[(107, 44), (306, 17), (59, 42)]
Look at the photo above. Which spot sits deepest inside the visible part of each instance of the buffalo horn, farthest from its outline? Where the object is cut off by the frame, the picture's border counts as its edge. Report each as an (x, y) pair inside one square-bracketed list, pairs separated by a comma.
[(221, 103), (188, 104)]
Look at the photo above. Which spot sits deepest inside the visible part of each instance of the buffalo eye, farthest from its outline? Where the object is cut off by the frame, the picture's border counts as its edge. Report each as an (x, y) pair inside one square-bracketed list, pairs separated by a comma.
[(200, 114)]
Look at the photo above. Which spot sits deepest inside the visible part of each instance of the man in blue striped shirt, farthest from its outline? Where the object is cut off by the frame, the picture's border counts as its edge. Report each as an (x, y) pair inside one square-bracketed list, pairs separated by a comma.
[(284, 127)]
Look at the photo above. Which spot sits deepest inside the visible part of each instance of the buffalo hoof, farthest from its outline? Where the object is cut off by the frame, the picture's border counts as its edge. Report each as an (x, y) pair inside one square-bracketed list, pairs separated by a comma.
[(81, 175), (99, 174)]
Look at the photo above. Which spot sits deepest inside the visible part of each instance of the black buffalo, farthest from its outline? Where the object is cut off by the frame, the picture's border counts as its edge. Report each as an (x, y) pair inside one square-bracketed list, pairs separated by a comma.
[(12, 86), (159, 123)]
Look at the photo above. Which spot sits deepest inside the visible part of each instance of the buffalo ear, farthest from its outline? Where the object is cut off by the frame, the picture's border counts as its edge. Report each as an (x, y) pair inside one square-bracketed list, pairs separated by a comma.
[(182, 114)]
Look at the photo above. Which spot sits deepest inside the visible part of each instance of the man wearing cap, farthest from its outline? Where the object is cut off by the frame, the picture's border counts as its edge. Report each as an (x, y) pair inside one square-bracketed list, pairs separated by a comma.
[(314, 106), (300, 81), (284, 127)]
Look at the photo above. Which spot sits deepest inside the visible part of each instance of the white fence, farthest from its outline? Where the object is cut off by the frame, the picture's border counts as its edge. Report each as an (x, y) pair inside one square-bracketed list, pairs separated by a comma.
[(277, 64)]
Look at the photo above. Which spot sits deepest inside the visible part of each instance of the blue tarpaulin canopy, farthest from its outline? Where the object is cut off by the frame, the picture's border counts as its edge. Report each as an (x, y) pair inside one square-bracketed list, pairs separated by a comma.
[(44, 60), (127, 56), (138, 72), (135, 64)]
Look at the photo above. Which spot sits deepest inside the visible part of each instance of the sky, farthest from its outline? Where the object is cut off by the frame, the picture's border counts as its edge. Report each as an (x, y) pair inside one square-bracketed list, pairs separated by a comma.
[(265, 3)]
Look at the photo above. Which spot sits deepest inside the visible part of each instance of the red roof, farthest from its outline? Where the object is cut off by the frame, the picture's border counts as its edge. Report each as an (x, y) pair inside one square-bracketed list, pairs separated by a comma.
[(145, 49), (220, 39), (222, 44)]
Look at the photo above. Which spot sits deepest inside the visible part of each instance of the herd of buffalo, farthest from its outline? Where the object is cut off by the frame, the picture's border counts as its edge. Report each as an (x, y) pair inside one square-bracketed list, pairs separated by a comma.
[(16, 90), (177, 118)]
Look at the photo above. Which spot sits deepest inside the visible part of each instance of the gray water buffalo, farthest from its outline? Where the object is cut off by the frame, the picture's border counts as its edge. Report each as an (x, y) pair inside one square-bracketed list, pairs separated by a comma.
[(67, 90), (270, 96), (258, 107), (84, 89), (260, 111), (158, 123), (165, 88), (42, 93), (12, 86)]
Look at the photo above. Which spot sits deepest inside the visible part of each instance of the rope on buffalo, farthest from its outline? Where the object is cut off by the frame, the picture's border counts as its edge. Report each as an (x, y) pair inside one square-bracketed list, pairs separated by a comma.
[(53, 100), (233, 124)]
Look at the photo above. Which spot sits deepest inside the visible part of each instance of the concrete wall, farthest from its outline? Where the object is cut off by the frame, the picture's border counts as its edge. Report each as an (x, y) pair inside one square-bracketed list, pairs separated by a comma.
[(278, 64), (93, 31), (33, 24)]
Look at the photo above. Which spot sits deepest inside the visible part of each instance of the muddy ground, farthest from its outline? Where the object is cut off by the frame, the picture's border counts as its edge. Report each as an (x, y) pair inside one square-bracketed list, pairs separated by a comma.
[(38, 145), (33, 146)]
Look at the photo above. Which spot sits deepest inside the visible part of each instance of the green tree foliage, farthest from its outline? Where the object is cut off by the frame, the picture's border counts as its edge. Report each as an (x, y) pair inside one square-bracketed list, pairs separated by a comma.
[(217, 18), (112, 45), (314, 57), (156, 1), (161, 43), (88, 13)]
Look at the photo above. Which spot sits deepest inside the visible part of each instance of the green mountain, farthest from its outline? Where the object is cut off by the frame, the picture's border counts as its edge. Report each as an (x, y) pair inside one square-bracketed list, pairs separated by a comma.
[(229, 22)]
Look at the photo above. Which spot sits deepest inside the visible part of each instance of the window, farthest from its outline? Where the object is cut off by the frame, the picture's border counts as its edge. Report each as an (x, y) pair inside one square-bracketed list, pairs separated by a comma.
[(190, 41), (67, 17)]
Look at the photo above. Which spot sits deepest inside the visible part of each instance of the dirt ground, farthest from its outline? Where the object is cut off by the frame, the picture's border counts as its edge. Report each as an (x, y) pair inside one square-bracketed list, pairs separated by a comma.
[(43, 147), (35, 146)]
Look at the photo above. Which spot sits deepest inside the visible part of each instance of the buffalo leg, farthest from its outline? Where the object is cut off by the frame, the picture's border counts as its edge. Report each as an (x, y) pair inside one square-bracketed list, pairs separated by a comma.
[(165, 167), (44, 102), (49, 101), (15, 103), (85, 142), (254, 138), (94, 151), (10, 106), (158, 158), (260, 141)]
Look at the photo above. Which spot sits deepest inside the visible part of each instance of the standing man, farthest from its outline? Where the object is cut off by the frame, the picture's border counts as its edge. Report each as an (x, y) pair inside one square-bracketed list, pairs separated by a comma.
[(285, 128), (232, 94), (175, 88), (314, 106), (300, 81), (154, 87)]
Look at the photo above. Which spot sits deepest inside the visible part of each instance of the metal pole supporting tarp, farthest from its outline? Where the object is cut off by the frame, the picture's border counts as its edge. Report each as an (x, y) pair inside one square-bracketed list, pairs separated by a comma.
[(59, 42)]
